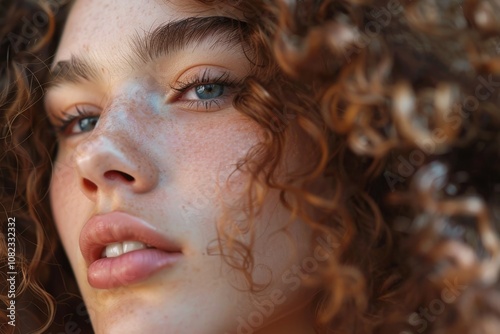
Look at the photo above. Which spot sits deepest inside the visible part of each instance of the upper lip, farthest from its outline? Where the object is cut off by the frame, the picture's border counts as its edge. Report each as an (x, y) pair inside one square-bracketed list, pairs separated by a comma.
[(104, 229)]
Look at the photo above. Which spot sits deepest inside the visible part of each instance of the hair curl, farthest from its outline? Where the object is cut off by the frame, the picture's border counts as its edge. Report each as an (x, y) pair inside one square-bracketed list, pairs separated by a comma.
[(29, 36), (399, 101), (413, 88)]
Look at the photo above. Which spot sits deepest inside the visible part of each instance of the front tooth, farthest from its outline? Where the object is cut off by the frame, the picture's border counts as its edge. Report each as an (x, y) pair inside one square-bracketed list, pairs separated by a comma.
[(114, 250), (129, 246)]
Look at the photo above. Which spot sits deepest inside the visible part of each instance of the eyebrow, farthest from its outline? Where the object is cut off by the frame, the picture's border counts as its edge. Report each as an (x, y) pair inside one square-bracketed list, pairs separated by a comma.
[(163, 40)]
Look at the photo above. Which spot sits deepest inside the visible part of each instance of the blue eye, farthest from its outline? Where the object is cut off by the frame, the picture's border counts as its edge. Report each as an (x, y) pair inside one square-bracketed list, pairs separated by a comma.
[(209, 91), (205, 91), (85, 124), (83, 120)]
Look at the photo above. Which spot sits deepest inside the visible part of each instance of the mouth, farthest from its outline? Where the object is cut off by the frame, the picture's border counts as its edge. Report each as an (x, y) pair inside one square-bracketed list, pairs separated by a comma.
[(120, 249)]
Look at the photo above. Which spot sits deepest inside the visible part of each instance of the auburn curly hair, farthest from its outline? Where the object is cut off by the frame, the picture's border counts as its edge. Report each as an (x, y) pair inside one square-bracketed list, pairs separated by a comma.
[(401, 102)]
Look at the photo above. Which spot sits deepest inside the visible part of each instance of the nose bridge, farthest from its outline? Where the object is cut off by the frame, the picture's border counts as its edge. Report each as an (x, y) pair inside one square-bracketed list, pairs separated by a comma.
[(127, 117), (125, 111)]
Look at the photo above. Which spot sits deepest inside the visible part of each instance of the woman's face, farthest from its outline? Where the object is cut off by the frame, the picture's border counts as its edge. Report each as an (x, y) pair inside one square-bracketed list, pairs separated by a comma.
[(145, 169)]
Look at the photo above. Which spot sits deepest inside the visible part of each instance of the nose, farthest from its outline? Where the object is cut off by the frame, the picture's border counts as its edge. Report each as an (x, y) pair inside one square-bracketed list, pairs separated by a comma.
[(106, 164)]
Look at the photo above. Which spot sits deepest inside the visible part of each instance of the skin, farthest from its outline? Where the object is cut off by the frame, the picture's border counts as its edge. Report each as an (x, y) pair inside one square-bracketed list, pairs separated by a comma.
[(180, 159)]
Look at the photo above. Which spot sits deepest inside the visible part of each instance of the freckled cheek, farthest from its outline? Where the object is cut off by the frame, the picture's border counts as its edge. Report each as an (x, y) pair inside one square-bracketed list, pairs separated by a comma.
[(209, 154)]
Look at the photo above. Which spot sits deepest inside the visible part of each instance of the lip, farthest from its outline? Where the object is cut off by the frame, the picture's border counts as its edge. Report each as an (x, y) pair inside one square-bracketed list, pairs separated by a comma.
[(128, 268)]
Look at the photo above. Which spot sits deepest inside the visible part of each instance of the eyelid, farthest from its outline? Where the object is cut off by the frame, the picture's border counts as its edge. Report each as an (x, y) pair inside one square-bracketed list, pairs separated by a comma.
[(60, 103), (205, 76)]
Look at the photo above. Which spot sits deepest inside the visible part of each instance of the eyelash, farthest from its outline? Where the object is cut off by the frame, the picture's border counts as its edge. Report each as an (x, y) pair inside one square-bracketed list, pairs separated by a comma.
[(181, 87), (68, 119)]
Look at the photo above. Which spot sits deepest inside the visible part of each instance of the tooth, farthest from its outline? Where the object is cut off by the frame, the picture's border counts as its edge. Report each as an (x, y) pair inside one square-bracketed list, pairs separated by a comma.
[(114, 250), (129, 246)]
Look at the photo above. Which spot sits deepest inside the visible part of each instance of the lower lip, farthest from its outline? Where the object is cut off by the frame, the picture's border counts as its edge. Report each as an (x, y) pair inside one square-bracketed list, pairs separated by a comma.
[(129, 268)]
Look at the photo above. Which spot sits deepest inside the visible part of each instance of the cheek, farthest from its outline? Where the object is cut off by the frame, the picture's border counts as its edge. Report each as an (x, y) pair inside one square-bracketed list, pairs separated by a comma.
[(215, 141), (68, 206), (200, 172), (207, 156)]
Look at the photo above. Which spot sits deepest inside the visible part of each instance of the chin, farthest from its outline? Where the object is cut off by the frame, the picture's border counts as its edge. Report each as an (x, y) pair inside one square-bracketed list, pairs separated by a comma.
[(137, 320), (140, 322), (155, 325)]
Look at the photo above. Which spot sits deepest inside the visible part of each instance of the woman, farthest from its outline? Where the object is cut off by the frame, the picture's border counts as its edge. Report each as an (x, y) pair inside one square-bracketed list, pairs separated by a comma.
[(254, 167)]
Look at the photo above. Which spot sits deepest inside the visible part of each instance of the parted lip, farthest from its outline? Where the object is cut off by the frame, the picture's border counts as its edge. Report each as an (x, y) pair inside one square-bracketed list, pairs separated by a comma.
[(104, 229)]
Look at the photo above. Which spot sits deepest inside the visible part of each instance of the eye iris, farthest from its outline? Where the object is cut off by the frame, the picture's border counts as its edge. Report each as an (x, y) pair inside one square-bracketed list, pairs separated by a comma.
[(87, 124), (209, 91)]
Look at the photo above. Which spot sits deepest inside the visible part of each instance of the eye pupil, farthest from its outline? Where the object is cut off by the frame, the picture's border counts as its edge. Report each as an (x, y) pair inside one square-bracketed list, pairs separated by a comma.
[(209, 91)]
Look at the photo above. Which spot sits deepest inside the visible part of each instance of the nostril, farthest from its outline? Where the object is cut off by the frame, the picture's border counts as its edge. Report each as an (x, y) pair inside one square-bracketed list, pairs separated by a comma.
[(115, 174), (91, 186)]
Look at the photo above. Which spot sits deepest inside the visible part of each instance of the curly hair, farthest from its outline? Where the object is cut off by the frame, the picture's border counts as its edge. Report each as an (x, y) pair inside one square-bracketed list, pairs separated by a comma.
[(29, 37), (399, 104), (412, 88)]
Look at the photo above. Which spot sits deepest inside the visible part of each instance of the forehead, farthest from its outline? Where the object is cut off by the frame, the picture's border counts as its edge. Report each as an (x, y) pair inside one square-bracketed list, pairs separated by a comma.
[(106, 26)]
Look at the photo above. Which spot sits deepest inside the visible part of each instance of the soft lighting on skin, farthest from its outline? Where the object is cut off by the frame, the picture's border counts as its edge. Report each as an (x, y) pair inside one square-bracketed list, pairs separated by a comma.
[(165, 160)]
